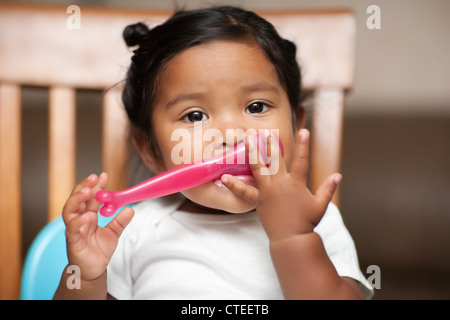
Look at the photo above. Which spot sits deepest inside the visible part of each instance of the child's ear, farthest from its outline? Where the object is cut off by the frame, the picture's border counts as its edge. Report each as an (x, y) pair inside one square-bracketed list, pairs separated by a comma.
[(143, 147), (300, 117)]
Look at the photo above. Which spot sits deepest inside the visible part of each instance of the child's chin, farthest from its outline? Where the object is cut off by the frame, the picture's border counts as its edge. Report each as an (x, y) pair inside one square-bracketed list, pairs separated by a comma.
[(238, 208), (218, 198)]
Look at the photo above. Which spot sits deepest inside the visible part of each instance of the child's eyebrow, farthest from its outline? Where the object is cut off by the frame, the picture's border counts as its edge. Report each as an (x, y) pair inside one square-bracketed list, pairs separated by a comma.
[(181, 97), (263, 86)]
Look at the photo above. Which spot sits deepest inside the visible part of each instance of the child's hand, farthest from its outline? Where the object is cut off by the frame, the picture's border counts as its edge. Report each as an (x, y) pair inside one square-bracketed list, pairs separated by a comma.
[(89, 246), (283, 201)]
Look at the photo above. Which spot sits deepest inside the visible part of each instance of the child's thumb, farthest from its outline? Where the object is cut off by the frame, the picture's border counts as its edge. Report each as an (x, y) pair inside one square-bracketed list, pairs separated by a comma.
[(325, 192), (120, 222)]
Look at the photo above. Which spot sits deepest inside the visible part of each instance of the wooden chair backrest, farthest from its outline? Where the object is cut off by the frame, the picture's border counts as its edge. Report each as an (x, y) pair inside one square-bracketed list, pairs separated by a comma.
[(40, 47)]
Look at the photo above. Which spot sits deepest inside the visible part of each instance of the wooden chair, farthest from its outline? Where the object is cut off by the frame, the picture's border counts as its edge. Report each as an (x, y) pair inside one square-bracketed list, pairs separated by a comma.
[(39, 48)]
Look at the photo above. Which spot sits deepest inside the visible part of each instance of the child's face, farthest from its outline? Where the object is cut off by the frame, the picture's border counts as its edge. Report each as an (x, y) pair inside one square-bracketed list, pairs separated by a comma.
[(224, 85)]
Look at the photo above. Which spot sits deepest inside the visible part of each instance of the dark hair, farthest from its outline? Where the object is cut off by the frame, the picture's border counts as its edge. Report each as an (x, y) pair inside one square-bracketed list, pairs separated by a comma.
[(189, 28)]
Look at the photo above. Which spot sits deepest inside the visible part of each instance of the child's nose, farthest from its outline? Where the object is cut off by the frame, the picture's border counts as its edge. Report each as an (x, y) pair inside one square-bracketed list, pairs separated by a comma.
[(233, 129)]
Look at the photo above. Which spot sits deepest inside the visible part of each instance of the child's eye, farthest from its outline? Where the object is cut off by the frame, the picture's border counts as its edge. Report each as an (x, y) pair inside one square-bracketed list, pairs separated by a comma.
[(195, 116), (256, 107)]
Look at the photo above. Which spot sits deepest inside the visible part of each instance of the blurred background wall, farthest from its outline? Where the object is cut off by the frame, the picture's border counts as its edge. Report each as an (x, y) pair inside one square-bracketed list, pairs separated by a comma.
[(396, 153)]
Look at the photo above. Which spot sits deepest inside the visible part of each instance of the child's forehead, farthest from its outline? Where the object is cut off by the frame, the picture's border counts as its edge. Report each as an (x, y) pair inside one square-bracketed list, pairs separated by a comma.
[(220, 51), (221, 58)]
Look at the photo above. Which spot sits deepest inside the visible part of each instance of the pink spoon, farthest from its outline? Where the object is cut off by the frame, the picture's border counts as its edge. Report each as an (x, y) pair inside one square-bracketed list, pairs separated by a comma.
[(234, 161)]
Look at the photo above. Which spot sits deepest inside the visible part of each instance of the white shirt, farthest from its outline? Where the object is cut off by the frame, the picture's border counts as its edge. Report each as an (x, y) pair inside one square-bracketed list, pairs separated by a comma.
[(169, 254)]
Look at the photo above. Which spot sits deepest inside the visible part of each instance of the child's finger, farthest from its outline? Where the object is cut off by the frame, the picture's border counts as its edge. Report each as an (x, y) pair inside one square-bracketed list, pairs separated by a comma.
[(300, 162), (73, 233), (259, 170), (79, 226), (276, 161), (327, 189), (90, 182), (102, 180), (76, 204), (243, 190), (93, 204), (119, 223)]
